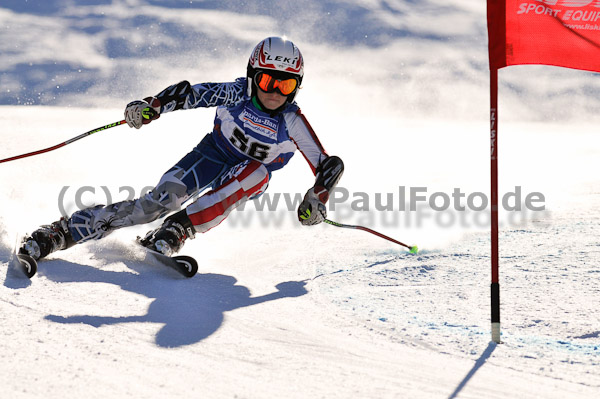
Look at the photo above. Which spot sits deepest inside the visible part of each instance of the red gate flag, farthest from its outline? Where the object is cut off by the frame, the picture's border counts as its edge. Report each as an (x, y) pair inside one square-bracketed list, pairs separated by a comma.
[(563, 33)]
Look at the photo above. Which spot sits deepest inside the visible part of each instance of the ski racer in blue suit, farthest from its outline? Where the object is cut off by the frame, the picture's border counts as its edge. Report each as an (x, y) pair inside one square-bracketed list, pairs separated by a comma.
[(257, 129)]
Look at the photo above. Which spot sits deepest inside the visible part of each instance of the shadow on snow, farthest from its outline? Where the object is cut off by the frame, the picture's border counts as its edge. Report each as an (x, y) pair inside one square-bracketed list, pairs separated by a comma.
[(189, 309), (478, 364)]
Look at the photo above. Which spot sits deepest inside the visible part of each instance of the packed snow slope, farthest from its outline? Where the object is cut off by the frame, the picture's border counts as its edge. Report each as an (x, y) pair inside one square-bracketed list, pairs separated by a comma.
[(398, 89)]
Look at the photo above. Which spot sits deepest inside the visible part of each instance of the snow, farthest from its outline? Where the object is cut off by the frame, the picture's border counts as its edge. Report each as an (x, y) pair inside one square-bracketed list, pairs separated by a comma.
[(277, 309)]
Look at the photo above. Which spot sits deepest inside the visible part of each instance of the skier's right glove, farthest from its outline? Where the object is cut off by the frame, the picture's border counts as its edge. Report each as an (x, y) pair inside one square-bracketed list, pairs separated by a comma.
[(312, 210), (138, 113)]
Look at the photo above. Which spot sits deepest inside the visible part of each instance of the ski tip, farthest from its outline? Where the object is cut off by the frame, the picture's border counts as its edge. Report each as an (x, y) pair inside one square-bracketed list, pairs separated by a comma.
[(28, 264), (188, 265)]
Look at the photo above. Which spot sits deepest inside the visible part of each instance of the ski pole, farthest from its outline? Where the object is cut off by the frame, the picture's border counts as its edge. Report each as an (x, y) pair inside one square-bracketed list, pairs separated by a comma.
[(413, 249), (99, 129)]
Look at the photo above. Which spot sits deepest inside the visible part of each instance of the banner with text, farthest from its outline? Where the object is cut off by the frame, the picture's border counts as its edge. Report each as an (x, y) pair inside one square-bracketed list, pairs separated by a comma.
[(563, 33)]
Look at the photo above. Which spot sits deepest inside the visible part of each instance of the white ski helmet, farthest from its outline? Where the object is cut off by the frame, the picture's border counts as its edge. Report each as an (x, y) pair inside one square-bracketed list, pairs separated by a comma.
[(278, 56)]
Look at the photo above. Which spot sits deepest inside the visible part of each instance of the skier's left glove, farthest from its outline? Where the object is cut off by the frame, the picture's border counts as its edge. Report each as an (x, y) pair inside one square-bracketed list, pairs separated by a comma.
[(138, 113), (312, 210)]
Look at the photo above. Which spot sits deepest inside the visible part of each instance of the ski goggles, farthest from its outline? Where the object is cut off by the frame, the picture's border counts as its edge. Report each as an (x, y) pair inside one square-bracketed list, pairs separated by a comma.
[(269, 84)]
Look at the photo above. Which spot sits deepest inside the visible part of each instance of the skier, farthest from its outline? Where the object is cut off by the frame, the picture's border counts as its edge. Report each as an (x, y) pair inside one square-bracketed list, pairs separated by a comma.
[(257, 129)]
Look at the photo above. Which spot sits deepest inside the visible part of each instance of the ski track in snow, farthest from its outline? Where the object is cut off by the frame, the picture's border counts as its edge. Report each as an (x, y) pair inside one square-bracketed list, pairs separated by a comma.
[(437, 300)]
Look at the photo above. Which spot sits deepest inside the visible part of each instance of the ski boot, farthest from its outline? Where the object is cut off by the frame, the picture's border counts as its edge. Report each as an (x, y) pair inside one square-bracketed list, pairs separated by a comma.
[(169, 238), (47, 239)]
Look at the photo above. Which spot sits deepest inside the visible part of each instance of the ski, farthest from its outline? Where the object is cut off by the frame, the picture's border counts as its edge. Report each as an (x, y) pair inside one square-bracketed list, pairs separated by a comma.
[(26, 264), (184, 265), (21, 260)]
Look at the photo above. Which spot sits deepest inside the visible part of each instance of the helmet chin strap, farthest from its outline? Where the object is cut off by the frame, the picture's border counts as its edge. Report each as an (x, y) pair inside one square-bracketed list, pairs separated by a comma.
[(258, 104)]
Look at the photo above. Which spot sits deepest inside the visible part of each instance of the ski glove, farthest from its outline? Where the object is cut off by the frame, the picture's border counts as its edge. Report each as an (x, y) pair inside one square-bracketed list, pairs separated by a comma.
[(312, 210), (138, 113)]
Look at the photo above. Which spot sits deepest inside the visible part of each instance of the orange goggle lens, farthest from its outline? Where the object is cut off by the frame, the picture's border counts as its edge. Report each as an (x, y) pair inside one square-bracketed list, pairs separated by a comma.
[(269, 84)]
